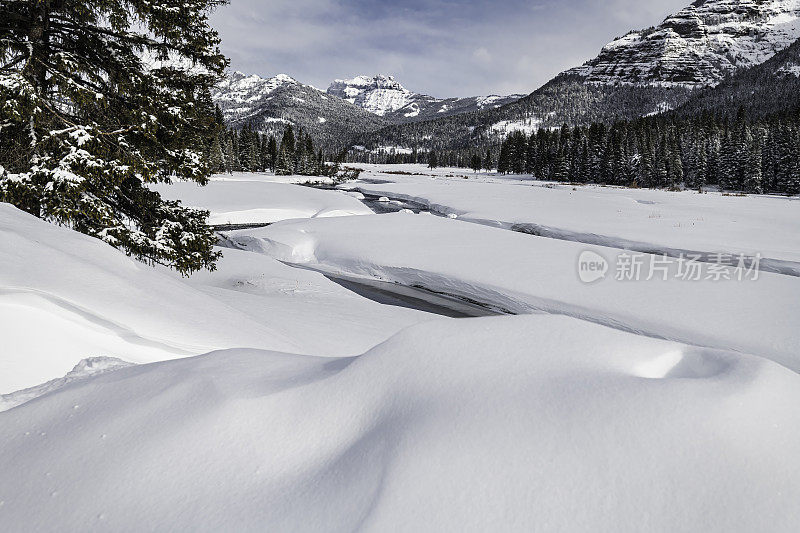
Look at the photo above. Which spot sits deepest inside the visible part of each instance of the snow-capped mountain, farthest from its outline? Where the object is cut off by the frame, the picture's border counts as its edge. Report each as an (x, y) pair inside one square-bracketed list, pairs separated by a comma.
[(700, 45), (384, 96), (643, 73), (268, 104), (240, 95), (378, 95)]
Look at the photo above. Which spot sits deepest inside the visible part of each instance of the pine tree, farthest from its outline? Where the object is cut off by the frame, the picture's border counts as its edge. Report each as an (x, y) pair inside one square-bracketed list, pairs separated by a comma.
[(488, 162), (753, 179), (272, 149), (433, 159), (100, 98), (216, 158), (285, 163), (475, 163)]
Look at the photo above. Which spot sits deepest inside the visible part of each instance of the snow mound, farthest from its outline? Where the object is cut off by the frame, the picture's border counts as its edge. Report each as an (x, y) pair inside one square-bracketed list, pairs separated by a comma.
[(504, 424), (65, 297), (84, 369)]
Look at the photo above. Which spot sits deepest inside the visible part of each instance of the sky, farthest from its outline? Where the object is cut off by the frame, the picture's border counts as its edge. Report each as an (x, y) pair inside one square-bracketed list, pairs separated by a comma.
[(445, 48)]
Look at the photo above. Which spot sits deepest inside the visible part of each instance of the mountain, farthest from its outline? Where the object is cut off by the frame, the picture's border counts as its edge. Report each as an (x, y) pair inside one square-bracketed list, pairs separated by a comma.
[(700, 45), (643, 73), (386, 97), (268, 104), (769, 88), (380, 95)]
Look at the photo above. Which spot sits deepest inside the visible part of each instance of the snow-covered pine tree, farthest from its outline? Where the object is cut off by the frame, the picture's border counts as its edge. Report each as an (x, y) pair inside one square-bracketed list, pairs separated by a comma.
[(100, 98)]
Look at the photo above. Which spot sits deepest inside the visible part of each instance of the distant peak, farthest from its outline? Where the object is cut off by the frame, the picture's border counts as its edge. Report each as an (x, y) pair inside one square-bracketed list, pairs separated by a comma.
[(379, 94), (378, 81), (284, 78)]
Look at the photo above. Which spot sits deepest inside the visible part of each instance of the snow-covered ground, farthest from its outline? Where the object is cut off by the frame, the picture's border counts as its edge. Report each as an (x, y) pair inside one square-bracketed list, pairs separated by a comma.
[(500, 424), (265, 396), (65, 297), (640, 219), (261, 199), (524, 274)]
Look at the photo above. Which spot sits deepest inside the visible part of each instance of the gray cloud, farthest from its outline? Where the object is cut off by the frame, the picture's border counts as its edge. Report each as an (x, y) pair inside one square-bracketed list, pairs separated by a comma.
[(440, 47)]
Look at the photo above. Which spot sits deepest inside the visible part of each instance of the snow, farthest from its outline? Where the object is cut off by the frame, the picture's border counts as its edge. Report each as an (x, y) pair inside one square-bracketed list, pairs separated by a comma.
[(90, 300), (237, 94), (525, 274), (641, 219), (394, 149), (520, 423), (84, 369), (379, 95), (93, 301), (506, 127), (699, 45), (261, 198), (790, 70), (264, 396)]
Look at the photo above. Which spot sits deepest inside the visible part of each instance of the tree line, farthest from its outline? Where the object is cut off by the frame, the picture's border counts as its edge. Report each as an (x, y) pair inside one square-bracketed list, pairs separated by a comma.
[(248, 150), (741, 154)]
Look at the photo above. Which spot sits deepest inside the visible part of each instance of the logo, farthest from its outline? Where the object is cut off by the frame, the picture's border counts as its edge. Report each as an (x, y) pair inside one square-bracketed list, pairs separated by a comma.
[(592, 267)]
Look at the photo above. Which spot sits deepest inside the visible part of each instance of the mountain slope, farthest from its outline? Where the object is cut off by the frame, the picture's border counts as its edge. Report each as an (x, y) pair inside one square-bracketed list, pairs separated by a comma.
[(700, 45), (771, 87), (643, 73), (385, 97), (268, 104)]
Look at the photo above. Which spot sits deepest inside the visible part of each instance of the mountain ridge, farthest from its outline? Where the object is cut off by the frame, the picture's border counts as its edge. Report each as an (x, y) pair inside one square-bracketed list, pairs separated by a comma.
[(386, 97), (642, 73), (267, 105)]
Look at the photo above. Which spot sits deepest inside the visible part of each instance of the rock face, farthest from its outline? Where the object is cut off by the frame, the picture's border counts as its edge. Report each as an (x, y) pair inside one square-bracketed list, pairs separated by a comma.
[(700, 45), (385, 97), (379, 95)]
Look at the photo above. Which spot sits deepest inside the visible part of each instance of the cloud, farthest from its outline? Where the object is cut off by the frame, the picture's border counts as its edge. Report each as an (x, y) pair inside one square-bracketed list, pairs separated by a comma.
[(440, 47)]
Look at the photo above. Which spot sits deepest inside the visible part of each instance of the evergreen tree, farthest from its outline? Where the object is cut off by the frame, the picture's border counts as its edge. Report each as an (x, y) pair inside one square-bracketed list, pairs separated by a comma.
[(100, 98), (285, 162), (503, 164), (433, 159), (272, 149), (475, 163), (488, 162), (753, 179)]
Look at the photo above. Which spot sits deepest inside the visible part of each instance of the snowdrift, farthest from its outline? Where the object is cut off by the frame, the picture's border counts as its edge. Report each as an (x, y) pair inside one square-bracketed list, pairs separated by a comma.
[(65, 297), (260, 200), (529, 423), (527, 274)]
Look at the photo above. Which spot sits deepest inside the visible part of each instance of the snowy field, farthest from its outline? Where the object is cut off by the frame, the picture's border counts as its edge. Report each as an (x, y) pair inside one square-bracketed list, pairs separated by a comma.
[(266, 396), (638, 219), (261, 199)]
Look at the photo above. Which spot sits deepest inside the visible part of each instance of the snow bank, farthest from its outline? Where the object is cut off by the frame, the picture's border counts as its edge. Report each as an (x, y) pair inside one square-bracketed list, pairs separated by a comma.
[(524, 274), (506, 424), (260, 200), (323, 318), (65, 297)]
